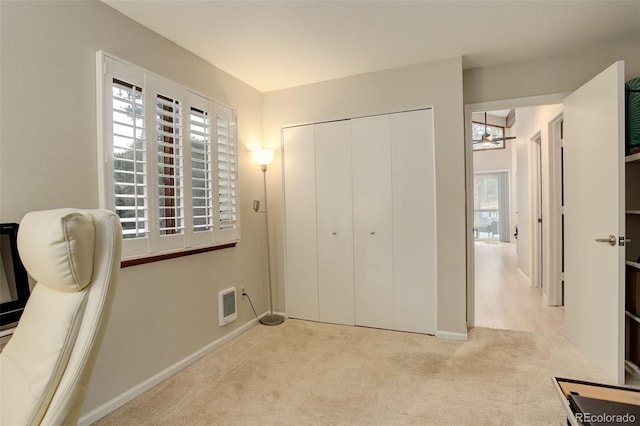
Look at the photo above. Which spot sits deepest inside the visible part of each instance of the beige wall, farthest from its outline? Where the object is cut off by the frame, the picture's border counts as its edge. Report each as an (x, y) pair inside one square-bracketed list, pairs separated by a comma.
[(437, 84), (163, 311), (550, 75)]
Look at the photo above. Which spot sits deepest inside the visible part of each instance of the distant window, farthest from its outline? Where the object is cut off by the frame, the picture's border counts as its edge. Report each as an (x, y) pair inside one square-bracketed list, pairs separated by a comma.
[(168, 162), (483, 136)]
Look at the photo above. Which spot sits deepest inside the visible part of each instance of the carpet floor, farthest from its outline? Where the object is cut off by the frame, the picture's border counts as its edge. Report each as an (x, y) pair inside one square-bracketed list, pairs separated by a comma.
[(305, 373)]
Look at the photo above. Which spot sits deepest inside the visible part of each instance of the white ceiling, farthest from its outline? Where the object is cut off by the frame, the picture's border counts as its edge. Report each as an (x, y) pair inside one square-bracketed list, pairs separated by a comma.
[(277, 44)]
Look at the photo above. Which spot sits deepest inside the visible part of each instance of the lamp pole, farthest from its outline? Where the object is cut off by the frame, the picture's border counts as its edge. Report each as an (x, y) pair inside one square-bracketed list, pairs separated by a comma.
[(271, 318)]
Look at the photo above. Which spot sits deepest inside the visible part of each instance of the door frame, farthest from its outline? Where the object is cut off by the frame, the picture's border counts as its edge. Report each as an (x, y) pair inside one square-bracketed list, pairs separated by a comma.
[(537, 213), (556, 98)]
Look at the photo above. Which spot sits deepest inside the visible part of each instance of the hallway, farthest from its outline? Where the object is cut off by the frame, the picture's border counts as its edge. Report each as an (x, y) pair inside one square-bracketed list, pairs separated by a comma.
[(503, 299)]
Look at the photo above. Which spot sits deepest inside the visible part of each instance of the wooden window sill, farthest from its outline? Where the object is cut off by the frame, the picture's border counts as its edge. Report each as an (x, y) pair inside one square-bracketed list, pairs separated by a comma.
[(165, 256)]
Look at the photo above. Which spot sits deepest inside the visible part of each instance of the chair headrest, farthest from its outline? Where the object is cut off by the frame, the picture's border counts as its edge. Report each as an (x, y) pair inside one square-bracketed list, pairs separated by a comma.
[(57, 247)]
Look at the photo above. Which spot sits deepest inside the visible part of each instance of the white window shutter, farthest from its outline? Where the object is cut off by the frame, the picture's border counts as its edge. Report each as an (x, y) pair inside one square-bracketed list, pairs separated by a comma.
[(201, 170), (227, 172), (170, 166), (131, 190)]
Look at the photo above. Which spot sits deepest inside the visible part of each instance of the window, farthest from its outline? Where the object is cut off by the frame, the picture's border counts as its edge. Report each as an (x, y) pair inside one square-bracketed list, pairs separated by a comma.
[(483, 134), (167, 162), (491, 206)]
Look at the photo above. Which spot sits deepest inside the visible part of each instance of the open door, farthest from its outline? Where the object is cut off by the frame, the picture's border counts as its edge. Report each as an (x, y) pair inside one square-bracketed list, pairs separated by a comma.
[(594, 217)]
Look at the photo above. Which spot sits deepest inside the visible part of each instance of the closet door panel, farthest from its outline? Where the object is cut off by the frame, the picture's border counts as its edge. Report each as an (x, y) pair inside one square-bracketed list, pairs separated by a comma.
[(372, 218), (300, 223), (414, 231), (334, 222)]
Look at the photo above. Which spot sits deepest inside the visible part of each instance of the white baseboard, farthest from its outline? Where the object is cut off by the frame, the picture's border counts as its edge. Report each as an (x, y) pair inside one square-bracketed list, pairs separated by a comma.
[(106, 408), (452, 336)]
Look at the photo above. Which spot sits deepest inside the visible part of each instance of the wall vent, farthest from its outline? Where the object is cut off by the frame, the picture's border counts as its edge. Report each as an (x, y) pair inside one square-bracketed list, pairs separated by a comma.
[(227, 306)]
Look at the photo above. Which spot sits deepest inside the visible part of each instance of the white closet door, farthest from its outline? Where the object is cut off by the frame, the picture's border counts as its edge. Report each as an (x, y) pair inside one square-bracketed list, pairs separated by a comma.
[(414, 233), (372, 219), (300, 223), (334, 222)]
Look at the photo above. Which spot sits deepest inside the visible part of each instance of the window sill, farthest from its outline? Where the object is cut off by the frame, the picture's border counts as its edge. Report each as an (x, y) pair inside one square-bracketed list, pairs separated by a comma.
[(157, 258)]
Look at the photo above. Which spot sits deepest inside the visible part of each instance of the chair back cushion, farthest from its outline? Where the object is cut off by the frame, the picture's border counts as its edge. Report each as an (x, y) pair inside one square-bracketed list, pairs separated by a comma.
[(56, 247)]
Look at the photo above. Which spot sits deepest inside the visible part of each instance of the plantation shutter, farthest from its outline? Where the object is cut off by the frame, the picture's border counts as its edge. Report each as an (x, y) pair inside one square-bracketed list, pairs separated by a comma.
[(201, 170), (170, 150), (227, 171), (131, 191), (167, 162)]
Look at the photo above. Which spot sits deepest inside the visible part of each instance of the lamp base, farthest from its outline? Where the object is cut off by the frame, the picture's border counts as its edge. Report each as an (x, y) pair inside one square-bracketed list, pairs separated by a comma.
[(272, 319)]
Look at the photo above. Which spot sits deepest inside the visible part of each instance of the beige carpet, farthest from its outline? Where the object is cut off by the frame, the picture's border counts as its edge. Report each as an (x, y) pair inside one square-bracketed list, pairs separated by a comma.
[(310, 373)]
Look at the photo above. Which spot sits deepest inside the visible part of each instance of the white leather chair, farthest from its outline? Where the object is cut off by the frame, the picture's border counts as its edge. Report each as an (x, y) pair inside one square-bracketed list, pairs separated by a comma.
[(74, 256)]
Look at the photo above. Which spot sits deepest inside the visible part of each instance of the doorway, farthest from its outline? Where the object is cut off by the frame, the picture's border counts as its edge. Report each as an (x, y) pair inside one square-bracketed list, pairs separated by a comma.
[(593, 145), (525, 250)]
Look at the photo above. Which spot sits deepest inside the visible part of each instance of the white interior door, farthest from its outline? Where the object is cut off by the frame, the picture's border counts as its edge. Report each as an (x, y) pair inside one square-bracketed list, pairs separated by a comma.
[(414, 233), (334, 222), (300, 223), (372, 221), (594, 209)]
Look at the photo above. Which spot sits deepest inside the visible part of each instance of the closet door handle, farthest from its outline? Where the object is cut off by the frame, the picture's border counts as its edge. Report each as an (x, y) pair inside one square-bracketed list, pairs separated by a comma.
[(373, 232), (334, 233)]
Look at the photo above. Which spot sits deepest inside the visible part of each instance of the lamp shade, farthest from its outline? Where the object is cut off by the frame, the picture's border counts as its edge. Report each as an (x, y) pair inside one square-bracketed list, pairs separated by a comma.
[(263, 156)]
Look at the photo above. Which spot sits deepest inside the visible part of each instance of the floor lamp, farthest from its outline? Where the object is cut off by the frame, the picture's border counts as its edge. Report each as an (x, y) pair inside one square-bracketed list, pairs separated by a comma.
[(264, 158)]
